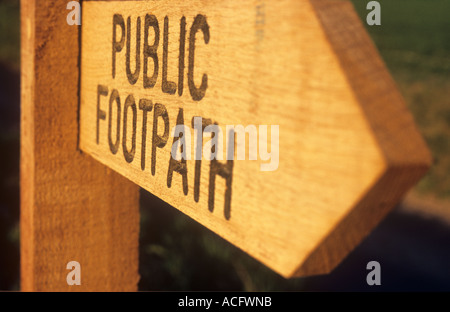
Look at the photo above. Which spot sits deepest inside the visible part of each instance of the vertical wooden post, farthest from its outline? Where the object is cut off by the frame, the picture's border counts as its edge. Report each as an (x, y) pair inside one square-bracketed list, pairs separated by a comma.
[(72, 208)]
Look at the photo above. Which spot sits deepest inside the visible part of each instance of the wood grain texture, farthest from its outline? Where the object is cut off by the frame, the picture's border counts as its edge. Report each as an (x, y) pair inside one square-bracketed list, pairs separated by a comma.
[(72, 207), (348, 147)]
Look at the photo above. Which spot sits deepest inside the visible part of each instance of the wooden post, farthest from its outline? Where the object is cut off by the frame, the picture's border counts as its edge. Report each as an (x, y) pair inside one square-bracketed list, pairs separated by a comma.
[(72, 207)]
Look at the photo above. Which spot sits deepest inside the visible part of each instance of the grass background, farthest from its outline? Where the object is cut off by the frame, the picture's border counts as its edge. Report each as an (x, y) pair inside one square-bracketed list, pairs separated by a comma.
[(414, 41), (10, 33), (179, 254)]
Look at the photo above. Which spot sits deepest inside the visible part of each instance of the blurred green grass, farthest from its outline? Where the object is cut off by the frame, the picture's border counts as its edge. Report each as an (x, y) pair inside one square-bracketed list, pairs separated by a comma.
[(9, 143), (414, 41), (10, 33)]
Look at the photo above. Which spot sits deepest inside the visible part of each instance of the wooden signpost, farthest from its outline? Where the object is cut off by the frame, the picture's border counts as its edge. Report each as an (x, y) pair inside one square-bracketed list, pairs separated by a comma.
[(331, 147)]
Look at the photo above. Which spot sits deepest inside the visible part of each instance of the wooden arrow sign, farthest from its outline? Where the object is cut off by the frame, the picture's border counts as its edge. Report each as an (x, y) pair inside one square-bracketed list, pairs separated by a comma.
[(273, 123)]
